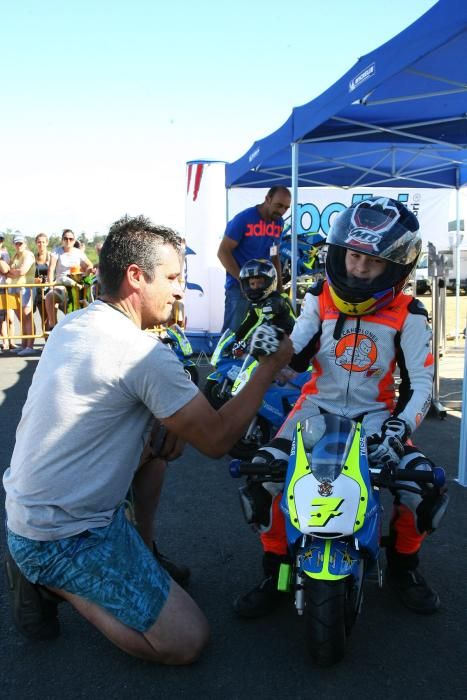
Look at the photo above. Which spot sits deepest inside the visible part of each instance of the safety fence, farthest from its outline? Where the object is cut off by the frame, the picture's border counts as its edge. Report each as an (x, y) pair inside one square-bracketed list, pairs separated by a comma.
[(29, 311)]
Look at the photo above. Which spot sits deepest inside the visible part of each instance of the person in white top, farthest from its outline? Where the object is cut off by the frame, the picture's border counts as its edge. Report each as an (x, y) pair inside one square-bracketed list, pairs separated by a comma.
[(64, 260), (22, 271), (4, 267), (99, 387)]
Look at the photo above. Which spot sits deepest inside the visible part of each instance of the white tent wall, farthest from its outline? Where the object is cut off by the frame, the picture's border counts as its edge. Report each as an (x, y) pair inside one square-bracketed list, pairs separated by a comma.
[(205, 220)]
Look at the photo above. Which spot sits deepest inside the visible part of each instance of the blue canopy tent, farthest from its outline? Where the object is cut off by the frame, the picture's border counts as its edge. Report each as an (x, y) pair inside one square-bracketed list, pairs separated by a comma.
[(398, 117)]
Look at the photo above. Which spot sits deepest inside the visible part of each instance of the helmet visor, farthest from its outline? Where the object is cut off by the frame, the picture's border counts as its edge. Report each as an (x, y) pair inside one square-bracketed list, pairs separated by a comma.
[(371, 229)]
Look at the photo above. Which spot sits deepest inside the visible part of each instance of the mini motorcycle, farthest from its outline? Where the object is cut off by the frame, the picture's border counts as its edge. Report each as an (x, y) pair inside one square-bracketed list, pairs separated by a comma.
[(331, 504), (219, 383), (175, 337), (278, 401), (310, 260)]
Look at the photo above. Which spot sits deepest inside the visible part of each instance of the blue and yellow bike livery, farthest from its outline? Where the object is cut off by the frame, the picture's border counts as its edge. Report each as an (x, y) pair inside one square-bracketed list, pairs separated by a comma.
[(328, 495), (218, 386), (277, 403), (331, 504), (175, 337)]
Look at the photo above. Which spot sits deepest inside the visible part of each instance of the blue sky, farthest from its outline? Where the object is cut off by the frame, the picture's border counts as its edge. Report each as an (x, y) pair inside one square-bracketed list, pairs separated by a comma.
[(103, 102)]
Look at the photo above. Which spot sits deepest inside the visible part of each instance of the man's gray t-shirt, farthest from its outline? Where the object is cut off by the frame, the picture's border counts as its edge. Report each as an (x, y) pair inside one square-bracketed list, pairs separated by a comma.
[(87, 416)]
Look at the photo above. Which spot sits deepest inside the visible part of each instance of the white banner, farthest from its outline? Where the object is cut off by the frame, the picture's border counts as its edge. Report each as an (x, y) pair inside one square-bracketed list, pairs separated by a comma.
[(206, 218), (207, 211), (317, 206)]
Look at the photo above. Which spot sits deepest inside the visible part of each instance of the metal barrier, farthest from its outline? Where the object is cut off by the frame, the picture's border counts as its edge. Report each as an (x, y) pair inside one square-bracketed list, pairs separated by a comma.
[(66, 300)]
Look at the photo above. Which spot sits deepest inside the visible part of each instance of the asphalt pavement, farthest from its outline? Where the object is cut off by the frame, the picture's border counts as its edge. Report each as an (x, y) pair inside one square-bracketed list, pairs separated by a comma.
[(391, 653)]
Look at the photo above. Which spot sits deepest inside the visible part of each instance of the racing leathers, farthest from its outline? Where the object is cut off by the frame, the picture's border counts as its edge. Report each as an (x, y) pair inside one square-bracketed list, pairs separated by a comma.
[(275, 310), (354, 359)]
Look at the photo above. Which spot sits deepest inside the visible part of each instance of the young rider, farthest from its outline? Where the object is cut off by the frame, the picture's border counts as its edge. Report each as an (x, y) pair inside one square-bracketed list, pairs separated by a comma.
[(356, 326), (258, 282)]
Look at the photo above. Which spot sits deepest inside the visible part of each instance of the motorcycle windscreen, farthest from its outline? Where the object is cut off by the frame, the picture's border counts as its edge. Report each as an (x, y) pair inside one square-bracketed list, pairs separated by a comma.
[(177, 334), (243, 377), (225, 338), (326, 494)]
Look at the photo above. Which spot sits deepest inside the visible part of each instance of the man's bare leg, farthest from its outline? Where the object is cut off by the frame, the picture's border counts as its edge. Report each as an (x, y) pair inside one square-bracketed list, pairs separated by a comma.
[(177, 637), (147, 487)]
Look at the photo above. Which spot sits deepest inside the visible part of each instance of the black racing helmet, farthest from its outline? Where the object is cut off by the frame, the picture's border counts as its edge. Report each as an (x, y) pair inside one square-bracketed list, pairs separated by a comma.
[(381, 227), (264, 274)]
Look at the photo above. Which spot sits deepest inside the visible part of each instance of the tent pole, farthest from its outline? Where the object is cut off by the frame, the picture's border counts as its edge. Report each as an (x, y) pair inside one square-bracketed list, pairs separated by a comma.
[(458, 260), (462, 469), (436, 404), (294, 227)]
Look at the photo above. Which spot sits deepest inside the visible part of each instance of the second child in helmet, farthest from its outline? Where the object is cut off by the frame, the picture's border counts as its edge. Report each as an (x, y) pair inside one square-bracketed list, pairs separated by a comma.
[(258, 282)]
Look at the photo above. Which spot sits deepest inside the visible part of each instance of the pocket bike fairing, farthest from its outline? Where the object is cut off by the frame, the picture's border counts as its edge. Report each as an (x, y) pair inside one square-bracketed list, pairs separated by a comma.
[(226, 368), (333, 523), (177, 339), (277, 403)]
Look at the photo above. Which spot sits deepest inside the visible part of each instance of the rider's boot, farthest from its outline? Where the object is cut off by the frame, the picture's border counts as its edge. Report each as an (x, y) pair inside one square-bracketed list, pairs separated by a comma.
[(263, 598), (405, 579), (179, 572), (34, 608)]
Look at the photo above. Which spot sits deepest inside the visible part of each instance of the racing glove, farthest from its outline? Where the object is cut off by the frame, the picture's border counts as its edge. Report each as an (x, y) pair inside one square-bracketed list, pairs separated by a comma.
[(387, 448), (265, 340), (239, 349)]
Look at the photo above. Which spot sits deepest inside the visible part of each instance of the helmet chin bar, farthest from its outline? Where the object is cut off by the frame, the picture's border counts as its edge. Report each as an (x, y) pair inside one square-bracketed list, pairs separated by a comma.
[(357, 282)]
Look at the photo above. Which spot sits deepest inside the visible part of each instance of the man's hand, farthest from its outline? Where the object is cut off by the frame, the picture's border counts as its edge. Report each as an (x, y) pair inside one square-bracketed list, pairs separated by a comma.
[(265, 340), (269, 344), (281, 357), (172, 447), (388, 447), (285, 375), (165, 444)]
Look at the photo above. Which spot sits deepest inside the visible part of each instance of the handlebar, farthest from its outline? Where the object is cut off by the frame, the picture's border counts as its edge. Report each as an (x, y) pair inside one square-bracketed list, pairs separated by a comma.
[(272, 471), (277, 469), (381, 477)]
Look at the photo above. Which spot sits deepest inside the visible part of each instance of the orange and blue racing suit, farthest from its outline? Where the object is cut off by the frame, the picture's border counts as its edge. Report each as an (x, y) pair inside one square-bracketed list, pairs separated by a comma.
[(353, 376)]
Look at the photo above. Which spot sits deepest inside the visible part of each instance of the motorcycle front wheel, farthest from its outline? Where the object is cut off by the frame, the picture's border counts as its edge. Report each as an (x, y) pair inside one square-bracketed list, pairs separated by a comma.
[(193, 373), (214, 394), (330, 610)]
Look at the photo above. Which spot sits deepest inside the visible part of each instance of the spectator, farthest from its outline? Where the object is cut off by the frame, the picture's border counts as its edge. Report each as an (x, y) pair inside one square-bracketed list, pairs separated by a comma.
[(65, 260), (81, 245), (22, 271), (4, 268), (42, 268), (253, 233)]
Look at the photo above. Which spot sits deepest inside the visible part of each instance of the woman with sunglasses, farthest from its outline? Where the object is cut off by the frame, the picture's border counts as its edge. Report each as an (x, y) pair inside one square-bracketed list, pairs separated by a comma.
[(22, 271), (64, 260)]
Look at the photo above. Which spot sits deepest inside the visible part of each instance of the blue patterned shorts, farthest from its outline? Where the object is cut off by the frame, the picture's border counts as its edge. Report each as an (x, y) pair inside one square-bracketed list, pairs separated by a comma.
[(110, 566)]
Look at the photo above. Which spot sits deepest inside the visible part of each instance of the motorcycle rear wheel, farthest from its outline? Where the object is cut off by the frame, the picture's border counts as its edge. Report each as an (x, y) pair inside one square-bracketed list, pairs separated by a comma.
[(330, 612), (246, 449)]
